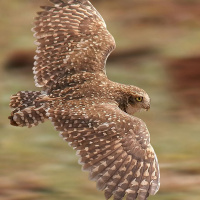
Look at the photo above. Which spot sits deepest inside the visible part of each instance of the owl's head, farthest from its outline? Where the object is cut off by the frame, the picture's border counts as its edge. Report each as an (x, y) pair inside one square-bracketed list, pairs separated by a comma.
[(138, 100)]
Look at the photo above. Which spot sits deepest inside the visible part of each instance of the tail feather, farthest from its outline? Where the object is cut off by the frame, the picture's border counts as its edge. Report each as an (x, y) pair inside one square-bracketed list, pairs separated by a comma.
[(24, 99), (28, 111)]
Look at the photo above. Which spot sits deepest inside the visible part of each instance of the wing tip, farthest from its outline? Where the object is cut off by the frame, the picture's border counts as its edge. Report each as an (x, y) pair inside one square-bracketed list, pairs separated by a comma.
[(155, 185)]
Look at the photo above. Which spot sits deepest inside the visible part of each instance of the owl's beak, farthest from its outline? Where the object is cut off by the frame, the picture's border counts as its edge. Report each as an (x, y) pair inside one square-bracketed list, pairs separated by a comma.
[(148, 107)]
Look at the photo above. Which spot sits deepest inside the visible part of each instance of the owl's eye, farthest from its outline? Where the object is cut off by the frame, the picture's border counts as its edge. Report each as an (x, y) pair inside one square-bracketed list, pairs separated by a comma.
[(139, 99)]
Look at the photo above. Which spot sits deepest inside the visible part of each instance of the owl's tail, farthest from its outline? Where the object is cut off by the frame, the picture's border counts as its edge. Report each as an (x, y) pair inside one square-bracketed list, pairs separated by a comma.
[(28, 109)]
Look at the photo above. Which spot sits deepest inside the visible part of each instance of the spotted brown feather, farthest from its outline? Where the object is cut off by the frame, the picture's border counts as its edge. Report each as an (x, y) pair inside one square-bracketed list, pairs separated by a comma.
[(102, 144), (93, 114), (71, 39)]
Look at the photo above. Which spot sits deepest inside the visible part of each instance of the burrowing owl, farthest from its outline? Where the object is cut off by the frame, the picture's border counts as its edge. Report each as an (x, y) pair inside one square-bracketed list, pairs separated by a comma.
[(93, 114)]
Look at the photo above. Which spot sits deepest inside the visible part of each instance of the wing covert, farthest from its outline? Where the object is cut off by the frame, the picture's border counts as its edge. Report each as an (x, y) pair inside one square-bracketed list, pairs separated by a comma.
[(71, 38), (113, 146)]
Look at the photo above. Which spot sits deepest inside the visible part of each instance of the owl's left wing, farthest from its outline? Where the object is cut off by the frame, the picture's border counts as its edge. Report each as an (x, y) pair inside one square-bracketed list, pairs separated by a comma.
[(72, 39), (113, 146)]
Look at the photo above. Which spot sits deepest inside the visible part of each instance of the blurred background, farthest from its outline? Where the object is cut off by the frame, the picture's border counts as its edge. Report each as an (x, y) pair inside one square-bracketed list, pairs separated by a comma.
[(157, 49)]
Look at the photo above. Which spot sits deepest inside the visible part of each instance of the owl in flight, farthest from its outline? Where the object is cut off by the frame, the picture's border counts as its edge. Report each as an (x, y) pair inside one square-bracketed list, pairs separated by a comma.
[(92, 113)]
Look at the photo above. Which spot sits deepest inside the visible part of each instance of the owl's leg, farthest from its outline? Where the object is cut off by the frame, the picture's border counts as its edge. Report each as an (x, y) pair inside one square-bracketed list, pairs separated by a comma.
[(28, 111)]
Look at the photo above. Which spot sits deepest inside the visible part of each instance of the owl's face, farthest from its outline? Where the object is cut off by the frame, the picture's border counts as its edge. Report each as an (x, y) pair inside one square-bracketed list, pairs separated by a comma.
[(137, 102)]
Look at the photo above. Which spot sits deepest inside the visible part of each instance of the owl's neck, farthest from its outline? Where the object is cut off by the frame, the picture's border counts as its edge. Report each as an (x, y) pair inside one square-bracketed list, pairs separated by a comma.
[(122, 95)]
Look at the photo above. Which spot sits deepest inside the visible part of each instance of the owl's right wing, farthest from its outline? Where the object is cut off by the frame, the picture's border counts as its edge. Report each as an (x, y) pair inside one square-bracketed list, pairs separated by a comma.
[(113, 146), (72, 38)]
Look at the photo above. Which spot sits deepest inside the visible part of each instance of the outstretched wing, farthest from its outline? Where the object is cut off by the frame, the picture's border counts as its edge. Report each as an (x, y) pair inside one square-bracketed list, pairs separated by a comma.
[(71, 39), (113, 146)]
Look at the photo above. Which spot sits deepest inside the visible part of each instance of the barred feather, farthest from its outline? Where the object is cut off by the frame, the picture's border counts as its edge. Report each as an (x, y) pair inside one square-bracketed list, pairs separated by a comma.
[(71, 39), (24, 99), (28, 109), (120, 164)]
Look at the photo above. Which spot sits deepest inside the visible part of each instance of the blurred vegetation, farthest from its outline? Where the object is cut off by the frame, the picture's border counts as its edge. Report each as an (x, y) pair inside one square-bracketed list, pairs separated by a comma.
[(36, 164)]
